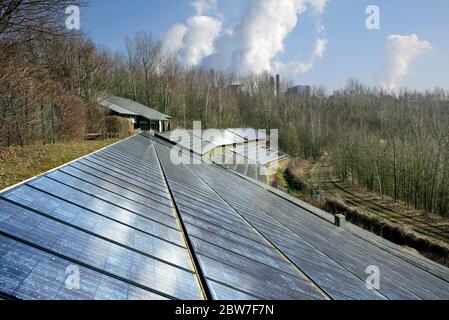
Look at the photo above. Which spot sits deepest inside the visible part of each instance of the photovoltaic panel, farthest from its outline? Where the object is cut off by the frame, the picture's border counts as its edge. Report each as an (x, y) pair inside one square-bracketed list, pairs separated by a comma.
[(131, 220), (218, 137), (72, 215), (202, 141), (335, 259), (101, 254), (187, 140), (258, 153), (147, 221), (115, 170), (29, 273), (130, 190), (225, 259), (280, 235), (250, 134), (91, 214)]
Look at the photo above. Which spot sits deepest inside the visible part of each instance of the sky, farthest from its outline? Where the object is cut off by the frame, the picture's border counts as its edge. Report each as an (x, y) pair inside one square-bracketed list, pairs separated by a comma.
[(316, 42)]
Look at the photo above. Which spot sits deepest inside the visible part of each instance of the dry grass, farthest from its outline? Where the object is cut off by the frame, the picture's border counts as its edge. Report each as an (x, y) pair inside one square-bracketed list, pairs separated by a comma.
[(21, 163), (308, 176), (431, 248)]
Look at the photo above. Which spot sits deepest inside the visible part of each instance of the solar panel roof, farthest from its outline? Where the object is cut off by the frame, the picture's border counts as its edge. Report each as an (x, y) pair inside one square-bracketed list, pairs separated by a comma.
[(219, 137), (187, 140), (249, 134), (335, 259), (127, 106), (137, 226), (109, 213), (257, 153), (116, 108), (204, 141)]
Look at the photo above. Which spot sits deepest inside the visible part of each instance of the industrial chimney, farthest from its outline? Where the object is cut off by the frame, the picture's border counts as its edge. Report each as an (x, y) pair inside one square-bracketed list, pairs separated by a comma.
[(278, 85), (272, 85)]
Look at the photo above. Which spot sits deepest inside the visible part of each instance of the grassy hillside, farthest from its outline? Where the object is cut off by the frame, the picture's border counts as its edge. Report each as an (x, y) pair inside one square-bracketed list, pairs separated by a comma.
[(21, 163), (317, 183)]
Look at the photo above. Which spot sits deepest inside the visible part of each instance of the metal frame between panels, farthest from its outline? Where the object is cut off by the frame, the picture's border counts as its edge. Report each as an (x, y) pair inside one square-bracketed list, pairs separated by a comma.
[(197, 265)]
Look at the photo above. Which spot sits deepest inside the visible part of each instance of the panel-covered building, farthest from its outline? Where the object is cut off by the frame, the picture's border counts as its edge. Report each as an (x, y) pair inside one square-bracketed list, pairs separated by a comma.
[(143, 117)]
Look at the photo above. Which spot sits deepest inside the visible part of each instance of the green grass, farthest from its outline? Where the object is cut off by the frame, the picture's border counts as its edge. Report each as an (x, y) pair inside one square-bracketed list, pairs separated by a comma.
[(292, 191), (21, 163)]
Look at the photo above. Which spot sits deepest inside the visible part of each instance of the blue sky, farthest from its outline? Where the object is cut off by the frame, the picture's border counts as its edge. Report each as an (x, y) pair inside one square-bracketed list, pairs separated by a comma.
[(351, 51)]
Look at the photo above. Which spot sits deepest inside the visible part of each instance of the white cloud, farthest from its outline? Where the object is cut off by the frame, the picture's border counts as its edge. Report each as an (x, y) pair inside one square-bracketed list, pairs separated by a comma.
[(318, 5), (261, 33), (320, 47), (294, 68), (222, 55), (173, 38), (253, 45), (198, 41), (204, 6), (401, 52), (194, 40)]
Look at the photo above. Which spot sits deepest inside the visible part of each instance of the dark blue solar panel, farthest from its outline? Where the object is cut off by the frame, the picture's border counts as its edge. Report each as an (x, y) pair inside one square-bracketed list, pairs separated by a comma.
[(141, 220), (101, 190), (112, 215), (325, 255), (129, 187), (101, 226), (28, 273), (101, 254), (227, 260), (95, 214)]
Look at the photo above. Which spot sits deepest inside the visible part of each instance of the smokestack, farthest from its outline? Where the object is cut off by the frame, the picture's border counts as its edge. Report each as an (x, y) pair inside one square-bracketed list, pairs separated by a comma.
[(278, 85), (272, 85)]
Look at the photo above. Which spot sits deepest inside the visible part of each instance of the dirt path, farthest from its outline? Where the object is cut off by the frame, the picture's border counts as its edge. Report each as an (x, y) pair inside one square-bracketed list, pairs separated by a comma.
[(325, 180)]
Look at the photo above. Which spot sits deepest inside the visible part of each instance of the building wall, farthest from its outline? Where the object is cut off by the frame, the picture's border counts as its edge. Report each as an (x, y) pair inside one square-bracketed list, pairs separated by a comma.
[(301, 91), (147, 125)]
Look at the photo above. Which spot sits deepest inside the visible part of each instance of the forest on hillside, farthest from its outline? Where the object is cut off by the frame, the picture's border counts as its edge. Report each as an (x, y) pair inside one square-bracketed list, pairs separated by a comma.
[(50, 79)]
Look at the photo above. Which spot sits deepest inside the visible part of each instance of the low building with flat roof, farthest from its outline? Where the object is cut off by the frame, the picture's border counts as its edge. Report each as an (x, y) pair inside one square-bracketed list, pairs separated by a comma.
[(143, 117)]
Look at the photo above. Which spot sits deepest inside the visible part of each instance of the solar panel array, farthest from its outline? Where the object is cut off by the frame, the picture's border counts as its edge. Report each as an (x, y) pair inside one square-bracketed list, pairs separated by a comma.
[(258, 154), (243, 165), (242, 154), (334, 259), (250, 134), (219, 137), (237, 261), (185, 139), (204, 141), (110, 214), (134, 225)]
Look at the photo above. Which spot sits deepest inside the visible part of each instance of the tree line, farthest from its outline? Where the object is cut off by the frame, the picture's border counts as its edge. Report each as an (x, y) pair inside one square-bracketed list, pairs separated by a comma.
[(398, 146), (50, 80), (49, 76)]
